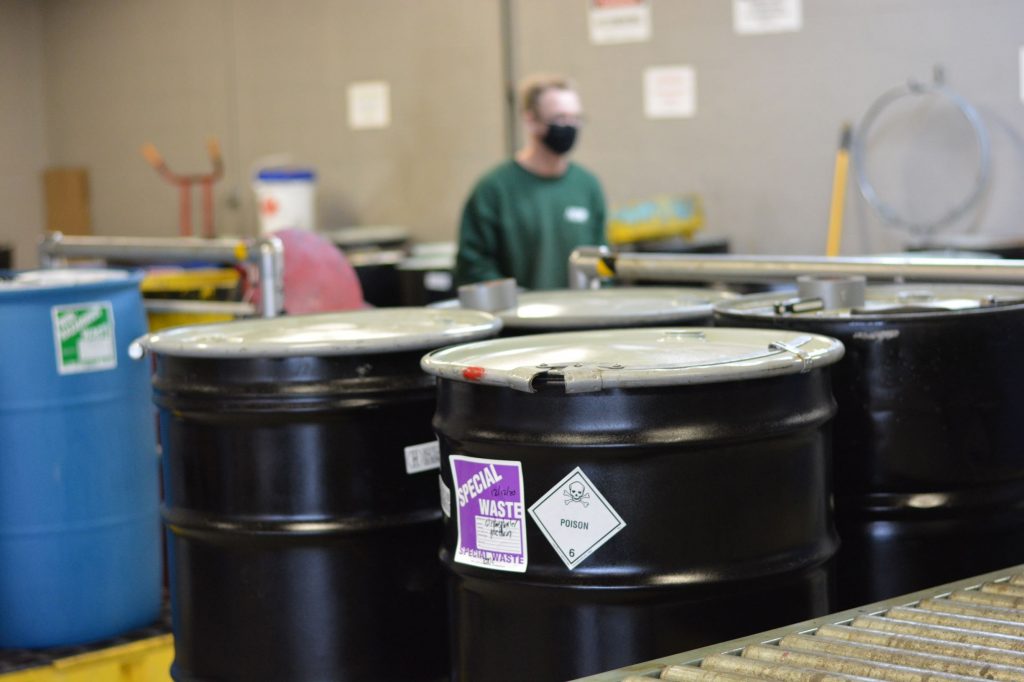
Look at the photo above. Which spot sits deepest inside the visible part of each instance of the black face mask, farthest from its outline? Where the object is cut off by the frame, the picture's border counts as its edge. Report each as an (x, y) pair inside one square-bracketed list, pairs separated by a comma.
[(559, 138)]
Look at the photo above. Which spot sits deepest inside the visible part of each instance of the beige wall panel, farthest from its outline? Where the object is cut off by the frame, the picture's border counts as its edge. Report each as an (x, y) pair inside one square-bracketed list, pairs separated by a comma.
[(22, 134), (121, 73), (269, 76), (442, 61), (762, 145)]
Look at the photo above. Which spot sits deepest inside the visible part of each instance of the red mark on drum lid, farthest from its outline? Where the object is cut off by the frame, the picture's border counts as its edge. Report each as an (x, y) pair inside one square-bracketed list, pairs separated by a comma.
[(473, 373)]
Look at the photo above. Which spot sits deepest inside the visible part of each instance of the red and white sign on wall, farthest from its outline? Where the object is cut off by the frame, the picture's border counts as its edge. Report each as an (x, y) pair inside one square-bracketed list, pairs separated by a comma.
[(670, 92), (620, 21)]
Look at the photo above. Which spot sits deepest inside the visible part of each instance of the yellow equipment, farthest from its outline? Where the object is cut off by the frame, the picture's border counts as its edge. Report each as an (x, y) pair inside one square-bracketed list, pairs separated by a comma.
[(206, 284), (652, 219), (144, 660), (835, 215)]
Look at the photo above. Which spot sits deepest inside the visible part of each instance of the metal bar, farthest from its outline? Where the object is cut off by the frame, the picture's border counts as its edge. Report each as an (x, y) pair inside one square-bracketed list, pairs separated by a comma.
[(588, 265), (940, 632), (847, 633), (170, 305), (144, 249), (827, 654), (983, 597), (185, 209), (875, 670), (267, 253), (766, 670), (968, 609), (1004, 588), (683, 673), (983, 626), (358, 259), (207, 187), (508, 71), (270, 260)]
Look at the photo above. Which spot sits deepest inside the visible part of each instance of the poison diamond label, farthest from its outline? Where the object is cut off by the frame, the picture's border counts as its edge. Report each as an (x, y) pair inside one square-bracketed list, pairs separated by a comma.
[(576, 518), (491, 515), (84, 337)]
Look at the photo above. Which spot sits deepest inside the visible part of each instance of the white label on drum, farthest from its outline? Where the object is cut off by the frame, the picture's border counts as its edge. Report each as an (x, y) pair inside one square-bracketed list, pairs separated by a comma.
[(446, 498), (437, 280), (576, 518), (83, 334), (423, 457)]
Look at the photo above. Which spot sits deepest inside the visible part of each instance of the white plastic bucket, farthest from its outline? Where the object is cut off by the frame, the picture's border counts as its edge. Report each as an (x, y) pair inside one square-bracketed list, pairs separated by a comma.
[(285, 197)]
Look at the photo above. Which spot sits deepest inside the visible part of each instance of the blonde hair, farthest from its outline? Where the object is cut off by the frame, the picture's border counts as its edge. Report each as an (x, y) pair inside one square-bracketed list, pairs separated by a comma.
[(532, 87)]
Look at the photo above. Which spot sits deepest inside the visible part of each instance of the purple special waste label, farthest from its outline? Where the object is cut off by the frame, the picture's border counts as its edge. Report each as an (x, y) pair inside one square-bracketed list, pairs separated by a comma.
[(491, 514)]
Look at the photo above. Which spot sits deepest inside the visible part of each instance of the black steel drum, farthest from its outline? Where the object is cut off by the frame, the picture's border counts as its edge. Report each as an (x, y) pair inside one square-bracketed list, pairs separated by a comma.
[(301, 498), (378, 276), (929, 450), (375, 252), (6, 256), (613, 496), (619, 307), (428, 275)]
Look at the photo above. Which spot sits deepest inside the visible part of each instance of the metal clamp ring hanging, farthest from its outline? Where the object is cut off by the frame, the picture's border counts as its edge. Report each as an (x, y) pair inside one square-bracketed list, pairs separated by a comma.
[(867, 190)]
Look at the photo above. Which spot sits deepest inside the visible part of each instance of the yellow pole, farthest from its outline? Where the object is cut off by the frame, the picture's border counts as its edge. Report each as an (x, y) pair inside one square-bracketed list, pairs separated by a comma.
[(835, 215)]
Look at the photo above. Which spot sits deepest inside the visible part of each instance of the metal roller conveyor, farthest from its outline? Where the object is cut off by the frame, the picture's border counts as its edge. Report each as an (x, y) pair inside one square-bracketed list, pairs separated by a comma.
[(968, 630)]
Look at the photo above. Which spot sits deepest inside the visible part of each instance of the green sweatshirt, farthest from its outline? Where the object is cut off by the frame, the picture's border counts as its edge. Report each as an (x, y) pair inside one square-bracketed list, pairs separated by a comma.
[(517, 224)]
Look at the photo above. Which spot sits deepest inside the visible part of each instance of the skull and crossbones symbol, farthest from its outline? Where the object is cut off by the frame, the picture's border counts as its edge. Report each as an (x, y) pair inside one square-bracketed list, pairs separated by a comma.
[(576, 493)]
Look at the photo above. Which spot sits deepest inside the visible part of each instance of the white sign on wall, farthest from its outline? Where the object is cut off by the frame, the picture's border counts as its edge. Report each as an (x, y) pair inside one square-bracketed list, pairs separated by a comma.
[(754, 17), (1022, 74), (369, 105), (670, 92), (620, 21)]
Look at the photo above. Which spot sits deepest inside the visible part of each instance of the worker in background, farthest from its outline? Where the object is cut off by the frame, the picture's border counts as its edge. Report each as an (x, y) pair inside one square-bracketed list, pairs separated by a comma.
[(526, 216)]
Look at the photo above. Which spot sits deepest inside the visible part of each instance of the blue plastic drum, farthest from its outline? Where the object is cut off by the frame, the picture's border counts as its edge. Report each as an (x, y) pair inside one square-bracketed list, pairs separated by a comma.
[(79, 498)]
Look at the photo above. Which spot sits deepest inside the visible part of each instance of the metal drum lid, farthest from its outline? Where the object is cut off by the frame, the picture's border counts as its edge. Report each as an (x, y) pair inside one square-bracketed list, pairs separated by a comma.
[(431, 256), (435, 250), (384, 330), (881, 301), (626, 358), (363, 236), (428, 262), (62, 277), (616, 307)]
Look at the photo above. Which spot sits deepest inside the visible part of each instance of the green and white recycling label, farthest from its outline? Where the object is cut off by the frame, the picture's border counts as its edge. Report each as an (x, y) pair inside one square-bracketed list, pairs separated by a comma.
[(84, 336)]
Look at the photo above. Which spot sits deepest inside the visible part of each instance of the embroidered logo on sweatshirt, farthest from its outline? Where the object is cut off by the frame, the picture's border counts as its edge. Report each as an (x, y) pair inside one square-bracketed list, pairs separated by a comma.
[(577, 214)]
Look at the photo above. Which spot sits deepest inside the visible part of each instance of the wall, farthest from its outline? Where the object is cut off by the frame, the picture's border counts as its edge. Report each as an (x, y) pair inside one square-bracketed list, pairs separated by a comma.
[(120, 74), (266, 76), (442, 61), (22, 139), (761, 147)]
